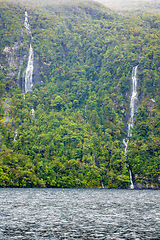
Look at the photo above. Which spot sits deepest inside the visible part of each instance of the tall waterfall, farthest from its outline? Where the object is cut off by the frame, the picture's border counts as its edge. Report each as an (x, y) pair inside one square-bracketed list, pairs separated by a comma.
[(133, 107), (29, 69), (133, 101)]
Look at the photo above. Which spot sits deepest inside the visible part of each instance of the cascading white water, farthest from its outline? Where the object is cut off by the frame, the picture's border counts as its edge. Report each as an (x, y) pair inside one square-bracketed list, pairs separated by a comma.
[(130, 175), (133, 108), (133, 100), (125, 142), (33, 113), (15, 136), (29, 71), (26, 24)]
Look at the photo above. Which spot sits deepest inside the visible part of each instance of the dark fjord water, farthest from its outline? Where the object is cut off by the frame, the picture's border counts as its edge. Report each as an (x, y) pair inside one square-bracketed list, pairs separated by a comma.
[(79, 214)]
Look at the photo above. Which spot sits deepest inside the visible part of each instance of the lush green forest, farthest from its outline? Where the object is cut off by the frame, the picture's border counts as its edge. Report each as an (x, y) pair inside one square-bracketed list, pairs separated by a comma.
[(84, 53)]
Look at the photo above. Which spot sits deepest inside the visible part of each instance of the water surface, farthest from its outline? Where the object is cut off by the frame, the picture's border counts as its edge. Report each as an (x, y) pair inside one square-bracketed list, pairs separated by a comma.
[(79, 214)]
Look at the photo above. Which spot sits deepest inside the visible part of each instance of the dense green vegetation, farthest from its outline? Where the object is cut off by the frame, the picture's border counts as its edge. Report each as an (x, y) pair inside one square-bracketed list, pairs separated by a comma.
[(85, 54)]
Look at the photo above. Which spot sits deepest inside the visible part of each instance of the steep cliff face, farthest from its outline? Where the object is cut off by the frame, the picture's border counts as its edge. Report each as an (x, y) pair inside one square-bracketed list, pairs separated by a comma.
[(15, 63)]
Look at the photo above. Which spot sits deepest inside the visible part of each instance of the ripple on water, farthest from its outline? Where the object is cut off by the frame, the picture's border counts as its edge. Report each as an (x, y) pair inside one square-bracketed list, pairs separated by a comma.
[(56, 214)]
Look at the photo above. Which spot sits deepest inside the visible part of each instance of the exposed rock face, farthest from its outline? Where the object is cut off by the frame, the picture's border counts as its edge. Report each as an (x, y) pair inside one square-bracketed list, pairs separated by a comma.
[(151, 186), (145, 186), (15, 61), (138, 186), (9, 56), (17, 58)]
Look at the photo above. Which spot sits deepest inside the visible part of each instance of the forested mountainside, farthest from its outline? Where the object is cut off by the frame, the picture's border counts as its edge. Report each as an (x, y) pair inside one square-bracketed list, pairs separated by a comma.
[(67, 128)]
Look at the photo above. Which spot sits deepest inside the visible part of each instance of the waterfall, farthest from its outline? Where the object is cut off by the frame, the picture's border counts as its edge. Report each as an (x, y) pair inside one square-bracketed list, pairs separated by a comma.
[(133, 108), (29, 71), (133, 100), (15, 136), (125, 142), (26, 24), (33, 113), (130, 175)]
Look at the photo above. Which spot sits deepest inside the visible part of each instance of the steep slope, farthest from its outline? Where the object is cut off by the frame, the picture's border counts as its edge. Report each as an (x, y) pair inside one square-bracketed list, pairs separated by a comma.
[(69, 131)]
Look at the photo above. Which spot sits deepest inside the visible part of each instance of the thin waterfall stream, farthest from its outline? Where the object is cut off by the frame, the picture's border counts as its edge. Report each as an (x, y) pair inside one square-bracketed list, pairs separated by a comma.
[(26, 24), (133, 108), (15, 136), (29, 69)]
